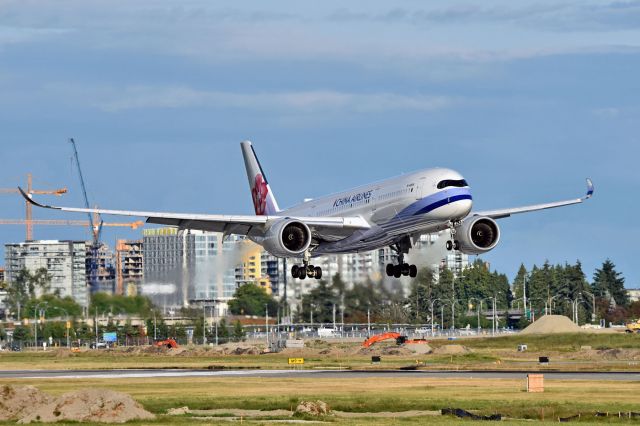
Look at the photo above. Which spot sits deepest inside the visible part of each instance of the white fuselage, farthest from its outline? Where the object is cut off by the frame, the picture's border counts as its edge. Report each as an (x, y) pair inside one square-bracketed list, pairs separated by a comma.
[(410, 204)]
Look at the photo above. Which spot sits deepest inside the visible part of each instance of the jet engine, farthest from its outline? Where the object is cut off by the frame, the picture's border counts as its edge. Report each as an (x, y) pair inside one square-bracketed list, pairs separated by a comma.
[(478, 234), (287, 238)]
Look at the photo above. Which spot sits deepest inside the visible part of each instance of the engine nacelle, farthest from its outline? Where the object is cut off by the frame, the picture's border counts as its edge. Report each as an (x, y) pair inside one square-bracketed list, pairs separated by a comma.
[(478, 234), (287, 238)]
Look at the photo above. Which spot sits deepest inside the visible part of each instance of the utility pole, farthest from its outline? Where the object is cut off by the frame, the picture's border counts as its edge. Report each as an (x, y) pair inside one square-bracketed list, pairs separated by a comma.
[(334, 316), (96, 327), (368, 322), (493, 333), (524, 294), (204, 324), (266, 322)]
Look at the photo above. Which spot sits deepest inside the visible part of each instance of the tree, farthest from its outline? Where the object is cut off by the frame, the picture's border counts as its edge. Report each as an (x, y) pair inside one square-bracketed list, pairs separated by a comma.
[(320, 302), (608, 283), (21, 333), (422, 289), (519, 283), (250, 299), (223, 331), (118, 304), (238, 332), (24, 286), (53, 306)]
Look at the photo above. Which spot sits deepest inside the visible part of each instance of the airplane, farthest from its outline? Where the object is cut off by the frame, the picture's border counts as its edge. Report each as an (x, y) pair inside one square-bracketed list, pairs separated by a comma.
[(390, 213)]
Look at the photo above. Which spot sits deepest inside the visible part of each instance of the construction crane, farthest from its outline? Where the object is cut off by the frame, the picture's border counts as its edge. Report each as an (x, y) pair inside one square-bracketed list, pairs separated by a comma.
[(95, 223), (29, 216), (132, 225)]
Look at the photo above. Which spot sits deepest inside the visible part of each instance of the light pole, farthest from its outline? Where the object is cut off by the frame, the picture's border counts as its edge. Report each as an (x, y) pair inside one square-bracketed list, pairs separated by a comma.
[(478, 309), (551, 304), (432, 304), (593, 305), (266, 322), (35, 323), (67, 325)]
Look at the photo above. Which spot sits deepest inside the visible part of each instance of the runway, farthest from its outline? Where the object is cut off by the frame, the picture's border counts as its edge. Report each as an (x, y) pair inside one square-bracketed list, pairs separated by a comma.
[(316, 374)]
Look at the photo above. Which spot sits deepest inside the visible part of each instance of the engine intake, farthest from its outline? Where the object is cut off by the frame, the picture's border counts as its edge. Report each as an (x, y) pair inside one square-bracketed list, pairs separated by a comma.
[(287, 238), (478, 234)]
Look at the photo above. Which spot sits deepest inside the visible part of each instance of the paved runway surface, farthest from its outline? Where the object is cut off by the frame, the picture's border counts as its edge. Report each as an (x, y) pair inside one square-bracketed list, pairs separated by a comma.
[(317, 374)]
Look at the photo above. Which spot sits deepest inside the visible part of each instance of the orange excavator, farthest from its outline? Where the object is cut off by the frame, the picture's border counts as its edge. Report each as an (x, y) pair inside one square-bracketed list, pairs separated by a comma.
[(167, 343), (399, 338)]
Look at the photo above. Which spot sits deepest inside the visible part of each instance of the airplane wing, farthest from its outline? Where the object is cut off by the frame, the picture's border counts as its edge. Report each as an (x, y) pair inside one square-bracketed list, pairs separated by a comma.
[(499, 214), (236, 224)]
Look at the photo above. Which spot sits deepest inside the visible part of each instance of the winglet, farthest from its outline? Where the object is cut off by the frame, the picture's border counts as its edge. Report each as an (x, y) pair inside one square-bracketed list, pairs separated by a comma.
[(589, 189), (29, 199)]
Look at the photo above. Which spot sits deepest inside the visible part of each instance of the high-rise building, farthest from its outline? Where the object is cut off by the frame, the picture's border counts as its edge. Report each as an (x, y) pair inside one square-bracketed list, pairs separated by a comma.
[(1, 275), (180, 266), (105, 278), (65, 261), (129, 266)]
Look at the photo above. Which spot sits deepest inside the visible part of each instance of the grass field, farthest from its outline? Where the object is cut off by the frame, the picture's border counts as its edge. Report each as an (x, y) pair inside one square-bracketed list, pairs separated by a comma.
[(368, 395), (616, 351), (371, 396)]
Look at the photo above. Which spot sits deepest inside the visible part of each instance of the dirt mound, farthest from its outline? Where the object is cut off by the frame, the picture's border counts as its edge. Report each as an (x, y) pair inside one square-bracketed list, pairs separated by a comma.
[(246, 351), (452, 350), (549, 324), (18, 401), (313, 408), (89, 405), (419, 348)]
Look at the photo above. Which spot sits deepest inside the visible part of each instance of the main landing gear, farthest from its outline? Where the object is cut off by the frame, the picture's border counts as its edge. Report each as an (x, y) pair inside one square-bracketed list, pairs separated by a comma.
[(306, 270), (401, 268)]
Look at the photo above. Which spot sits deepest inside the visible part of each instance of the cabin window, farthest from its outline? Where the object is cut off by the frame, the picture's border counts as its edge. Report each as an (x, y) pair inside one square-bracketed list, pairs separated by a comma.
[(450, 182)]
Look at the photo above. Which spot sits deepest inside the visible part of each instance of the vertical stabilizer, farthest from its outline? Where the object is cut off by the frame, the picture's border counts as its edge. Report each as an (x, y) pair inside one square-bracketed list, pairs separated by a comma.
[(263, 200)]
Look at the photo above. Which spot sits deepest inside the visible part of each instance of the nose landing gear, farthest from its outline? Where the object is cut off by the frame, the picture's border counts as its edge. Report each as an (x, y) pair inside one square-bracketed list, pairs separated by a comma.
[(453, 244)]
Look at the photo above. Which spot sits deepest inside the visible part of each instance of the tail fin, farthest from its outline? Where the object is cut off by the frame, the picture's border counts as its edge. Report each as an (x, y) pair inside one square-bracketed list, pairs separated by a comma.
[(263, 200)]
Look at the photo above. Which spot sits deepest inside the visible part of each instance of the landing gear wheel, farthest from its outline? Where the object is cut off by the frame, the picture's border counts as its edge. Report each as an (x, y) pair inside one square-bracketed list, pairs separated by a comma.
[(449, 245), (294, 271), (389, 269), (397, 271), (404, 268), (413, 271), (311, 273), (318, 272), (456, 245), (302, 273)]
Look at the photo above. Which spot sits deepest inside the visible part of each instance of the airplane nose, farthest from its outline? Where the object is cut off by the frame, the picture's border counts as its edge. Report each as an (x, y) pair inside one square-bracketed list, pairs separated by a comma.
[(463, 208)]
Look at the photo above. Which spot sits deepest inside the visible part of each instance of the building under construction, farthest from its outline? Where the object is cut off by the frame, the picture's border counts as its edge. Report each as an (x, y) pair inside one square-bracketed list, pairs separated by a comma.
[(129, 266)]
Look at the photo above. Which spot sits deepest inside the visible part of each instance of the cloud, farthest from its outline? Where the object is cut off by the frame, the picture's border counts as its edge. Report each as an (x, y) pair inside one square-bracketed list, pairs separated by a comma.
[(556, 16), (608, 112), (298, 101)]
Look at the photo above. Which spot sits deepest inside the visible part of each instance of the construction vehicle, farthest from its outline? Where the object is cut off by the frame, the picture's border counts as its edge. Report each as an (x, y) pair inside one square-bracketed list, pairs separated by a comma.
[(633, 327), (399, 338), (166, 343)]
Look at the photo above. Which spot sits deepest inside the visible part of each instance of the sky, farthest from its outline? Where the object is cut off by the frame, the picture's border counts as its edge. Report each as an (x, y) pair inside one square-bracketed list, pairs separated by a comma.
[(525, 99)]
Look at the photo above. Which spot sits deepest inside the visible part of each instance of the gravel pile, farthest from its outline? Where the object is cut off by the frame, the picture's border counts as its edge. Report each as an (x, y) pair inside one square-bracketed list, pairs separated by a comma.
[(549, 324)]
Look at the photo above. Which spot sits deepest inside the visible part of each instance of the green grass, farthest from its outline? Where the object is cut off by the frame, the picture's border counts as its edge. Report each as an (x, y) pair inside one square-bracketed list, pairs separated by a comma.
[(555, 342)]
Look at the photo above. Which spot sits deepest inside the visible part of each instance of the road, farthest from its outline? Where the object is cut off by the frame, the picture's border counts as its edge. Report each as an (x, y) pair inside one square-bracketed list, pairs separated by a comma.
[(316, 374)]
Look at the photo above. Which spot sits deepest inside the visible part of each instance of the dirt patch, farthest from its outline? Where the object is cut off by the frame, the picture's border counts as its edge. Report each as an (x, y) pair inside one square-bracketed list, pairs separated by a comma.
[(452, 350), (419, 348), (28, 404), (549, 324), (18, 401), (313, 408), (89, 405)]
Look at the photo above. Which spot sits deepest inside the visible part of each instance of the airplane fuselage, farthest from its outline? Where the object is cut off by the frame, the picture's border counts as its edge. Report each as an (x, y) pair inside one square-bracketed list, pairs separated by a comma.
[(407, 204)]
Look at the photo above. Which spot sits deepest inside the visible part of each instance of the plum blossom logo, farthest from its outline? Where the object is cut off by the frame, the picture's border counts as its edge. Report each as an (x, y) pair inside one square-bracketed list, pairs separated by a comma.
[(259, 193)]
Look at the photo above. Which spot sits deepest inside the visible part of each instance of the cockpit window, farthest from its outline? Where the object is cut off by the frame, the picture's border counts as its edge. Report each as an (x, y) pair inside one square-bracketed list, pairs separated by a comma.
[(450, 182)]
